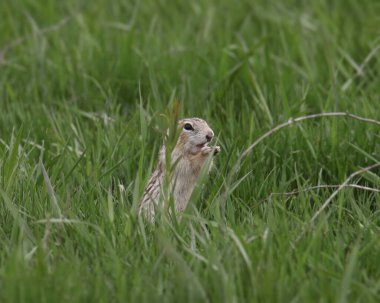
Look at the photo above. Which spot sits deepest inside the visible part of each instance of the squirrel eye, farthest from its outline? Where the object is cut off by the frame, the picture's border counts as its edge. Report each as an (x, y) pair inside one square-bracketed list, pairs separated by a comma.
[(188, 126)]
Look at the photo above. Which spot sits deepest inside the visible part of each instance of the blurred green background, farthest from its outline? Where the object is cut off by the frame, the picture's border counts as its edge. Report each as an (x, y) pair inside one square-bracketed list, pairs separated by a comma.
[(83, 86)]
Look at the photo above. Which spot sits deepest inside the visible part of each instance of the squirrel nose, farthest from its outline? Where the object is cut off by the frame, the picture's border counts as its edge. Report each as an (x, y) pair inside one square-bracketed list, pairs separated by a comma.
[(209, 136)]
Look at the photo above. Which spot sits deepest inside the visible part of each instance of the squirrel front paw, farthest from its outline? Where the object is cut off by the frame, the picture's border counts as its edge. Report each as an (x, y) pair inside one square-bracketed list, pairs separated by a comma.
[(206, 150), (216, 150)]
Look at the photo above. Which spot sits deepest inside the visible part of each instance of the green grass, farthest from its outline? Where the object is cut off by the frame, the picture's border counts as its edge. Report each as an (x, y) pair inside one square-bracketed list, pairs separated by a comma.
[(81, 112)]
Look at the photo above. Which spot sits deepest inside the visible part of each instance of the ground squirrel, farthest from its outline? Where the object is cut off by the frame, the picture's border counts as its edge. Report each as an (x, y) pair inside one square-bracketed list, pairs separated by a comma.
[(188, 157)]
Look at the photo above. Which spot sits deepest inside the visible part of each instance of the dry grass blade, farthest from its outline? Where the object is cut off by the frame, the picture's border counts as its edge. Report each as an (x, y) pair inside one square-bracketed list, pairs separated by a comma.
[(67, 221), (292, 121), (289, 123), (296, 192), (333, 195), (50, 190)]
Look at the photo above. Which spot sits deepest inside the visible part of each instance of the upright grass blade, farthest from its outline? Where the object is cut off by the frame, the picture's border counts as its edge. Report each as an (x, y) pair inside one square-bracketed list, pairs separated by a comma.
[(49, 187)]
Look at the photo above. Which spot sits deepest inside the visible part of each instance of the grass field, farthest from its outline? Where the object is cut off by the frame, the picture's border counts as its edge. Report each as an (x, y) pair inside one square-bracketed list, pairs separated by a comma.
[(84, 91)]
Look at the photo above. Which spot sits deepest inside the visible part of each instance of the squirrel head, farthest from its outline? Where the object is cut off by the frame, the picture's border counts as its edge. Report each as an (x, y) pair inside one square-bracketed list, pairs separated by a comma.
[(194, 134)]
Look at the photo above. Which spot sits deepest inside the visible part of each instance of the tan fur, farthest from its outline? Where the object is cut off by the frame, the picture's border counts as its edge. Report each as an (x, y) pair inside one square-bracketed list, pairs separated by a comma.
[(189, 156)]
